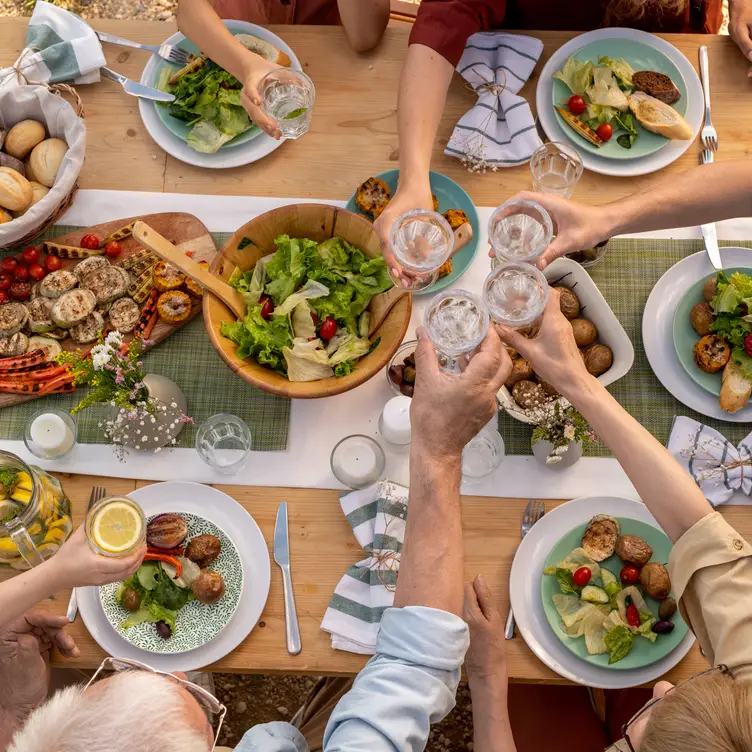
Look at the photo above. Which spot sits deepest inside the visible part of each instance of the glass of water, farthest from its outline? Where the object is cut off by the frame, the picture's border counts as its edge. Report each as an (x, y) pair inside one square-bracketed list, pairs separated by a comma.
[(224, 442), (556, 168), (421, 241), (516, 295), (519, 231), (457, 322), (482, 454), (287, 97)]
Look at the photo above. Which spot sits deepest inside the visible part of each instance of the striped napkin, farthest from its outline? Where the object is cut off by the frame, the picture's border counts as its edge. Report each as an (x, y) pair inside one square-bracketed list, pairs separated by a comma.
[(60, 46), (499, 131), (377, 515), (717, 466)]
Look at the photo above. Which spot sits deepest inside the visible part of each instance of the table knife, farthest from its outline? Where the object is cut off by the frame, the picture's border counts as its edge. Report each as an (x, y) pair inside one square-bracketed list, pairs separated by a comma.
[(136, 89), (709, 234), (282, 557)]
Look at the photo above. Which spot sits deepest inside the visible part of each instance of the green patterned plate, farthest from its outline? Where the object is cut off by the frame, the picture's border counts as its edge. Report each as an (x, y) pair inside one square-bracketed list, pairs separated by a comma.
[(644, 652), (196, 623)]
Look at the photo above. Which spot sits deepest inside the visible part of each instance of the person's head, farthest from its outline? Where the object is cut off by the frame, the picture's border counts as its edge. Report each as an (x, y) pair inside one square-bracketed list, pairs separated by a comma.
[(131, 710), (710, 713), (621, 12)]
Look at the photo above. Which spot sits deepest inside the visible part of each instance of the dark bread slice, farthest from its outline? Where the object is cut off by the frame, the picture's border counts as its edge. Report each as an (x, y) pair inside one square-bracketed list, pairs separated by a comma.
[(657, 85)]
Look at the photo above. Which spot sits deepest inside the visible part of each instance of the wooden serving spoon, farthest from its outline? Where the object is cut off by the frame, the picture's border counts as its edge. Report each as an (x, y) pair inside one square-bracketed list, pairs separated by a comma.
[(160, 246), (382, 303)]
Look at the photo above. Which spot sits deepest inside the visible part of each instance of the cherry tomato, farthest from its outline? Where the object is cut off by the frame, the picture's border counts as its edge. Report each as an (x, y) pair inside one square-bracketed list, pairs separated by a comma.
[(37, 272), (748, 344), (5, 282), (187, 253), (605, 131), (21, 274), (582, 576), (577, 105), (4, 297), (20, 291), (328, 328), (8, 265), (267, 306), (20, 260), (629, 575), (112, 249), (315, 318), (30, 255), (52, 263), (90, 241), (633, 615)]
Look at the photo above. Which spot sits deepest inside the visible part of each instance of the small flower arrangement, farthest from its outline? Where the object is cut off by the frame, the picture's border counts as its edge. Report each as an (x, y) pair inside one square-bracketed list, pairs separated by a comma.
[(561, 425)]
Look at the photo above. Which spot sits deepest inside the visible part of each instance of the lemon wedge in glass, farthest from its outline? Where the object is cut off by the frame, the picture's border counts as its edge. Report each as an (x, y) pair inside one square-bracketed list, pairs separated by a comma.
[(117, 528)]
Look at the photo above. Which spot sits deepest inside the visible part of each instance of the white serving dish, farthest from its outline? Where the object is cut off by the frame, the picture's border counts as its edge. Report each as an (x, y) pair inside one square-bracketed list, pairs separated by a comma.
[(595, 308)]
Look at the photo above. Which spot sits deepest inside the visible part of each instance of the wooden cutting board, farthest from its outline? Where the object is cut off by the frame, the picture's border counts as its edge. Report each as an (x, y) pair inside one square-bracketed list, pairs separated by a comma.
[(184, 230)]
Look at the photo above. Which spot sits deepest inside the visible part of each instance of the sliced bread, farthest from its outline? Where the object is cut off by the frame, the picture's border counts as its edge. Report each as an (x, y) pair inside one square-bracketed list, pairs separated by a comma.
[(735, 389), (266, 49), (658, 117), (657, 85)]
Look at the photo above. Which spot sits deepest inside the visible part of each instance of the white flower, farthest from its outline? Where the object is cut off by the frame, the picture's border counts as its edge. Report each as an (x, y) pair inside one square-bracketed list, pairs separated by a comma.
[(569, 432), (553, 459), (114, 339), (100, 356)]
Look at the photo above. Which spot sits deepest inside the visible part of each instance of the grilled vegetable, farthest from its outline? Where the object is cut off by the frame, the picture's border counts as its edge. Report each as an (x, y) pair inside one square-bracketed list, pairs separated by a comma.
[(13, 317), (140, 255), (167, 277), (50, 346), (576, 124), (174, 307), (57, 283), (89, 265), (30, 358), (14, 345), (71, 251), (73, 307), (124, 314), (88, 329), (150, 324), (194, 288), (373, 196), (121, 234), (192, 67), (40, 315), (106, 282)]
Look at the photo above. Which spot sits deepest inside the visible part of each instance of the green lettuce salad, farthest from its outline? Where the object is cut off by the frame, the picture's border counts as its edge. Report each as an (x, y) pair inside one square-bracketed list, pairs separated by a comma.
[(307, 304), (732, 306)]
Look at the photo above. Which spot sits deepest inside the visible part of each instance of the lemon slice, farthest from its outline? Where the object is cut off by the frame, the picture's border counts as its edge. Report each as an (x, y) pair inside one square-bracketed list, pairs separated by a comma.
[(117, 528)]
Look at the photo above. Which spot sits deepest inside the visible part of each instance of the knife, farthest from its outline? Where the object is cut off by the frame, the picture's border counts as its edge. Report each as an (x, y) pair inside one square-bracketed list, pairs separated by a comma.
[(709, 234), (136, 89), (282, 557)]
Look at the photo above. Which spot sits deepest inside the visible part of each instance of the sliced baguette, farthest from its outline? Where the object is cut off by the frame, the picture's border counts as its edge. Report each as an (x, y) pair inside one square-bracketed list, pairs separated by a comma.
[(736, 388), (266, 49), (658, 117)]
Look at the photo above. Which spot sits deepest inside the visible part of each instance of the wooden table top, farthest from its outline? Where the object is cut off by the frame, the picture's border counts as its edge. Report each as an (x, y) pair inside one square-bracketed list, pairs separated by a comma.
[(353, 136)]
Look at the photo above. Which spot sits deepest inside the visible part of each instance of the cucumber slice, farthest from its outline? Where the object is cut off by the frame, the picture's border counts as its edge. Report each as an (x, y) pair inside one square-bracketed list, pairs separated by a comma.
[(52, 346), (594, 594)]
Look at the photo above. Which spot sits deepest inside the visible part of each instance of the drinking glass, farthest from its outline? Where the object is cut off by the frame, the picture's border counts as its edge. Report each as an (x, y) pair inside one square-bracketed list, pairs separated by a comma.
[(457, 322), (519, 231), (516, 295), (421, 241), (287, 97), (556, 168), (482, 454), (224, 443)]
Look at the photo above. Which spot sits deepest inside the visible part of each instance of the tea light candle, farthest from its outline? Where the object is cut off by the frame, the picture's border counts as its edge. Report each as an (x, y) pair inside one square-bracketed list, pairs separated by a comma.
[(394, 423), (357, 461), (51, 435)]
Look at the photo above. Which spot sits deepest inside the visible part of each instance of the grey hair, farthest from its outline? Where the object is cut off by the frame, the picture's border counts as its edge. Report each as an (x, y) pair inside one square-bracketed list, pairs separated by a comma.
[(135, 711)]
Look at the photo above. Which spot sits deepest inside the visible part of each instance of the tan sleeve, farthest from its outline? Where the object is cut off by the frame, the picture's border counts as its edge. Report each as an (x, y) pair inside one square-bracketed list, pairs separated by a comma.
[(711, 573)]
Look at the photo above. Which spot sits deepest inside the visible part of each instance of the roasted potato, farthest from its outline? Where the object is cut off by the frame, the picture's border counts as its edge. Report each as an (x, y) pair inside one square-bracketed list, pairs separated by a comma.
[(654, 578), (712, 353), (521, 370), (601, 536), (633, 550), (568, 302), (527, 394), (203, 549), (549, 389), (701, 317), (598, 359), (709, 289), (208, 587), (373, 195), (456, 218), (584, 332)]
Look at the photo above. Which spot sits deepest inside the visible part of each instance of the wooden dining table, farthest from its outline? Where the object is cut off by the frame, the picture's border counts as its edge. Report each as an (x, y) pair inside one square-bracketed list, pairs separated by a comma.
[(353, 136)]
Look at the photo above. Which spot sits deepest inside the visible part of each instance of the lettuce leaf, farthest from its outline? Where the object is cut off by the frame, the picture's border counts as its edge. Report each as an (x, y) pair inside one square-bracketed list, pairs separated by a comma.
[(307, 361), (620, 68), (302, 321), (605, 90), (566, 583), (205, 137), (352, 349), (576, 75), (619, 642), (310, 290)]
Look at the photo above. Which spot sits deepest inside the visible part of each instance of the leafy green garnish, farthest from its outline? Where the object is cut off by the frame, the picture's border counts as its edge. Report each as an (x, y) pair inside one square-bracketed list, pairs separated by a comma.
[(160, 602), (625, 120), (566, 583), (295, 113), (344, 369), (732, 305), (8, 477), (576, 75), (621, 69), (619, 642)]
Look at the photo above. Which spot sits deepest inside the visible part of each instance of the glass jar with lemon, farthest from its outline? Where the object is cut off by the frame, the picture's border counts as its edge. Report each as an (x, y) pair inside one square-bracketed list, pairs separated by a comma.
[(115, 526), (35, 515)]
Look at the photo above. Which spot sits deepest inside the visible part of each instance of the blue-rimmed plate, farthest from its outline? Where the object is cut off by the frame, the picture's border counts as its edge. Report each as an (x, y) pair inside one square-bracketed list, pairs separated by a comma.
[(451, 196)]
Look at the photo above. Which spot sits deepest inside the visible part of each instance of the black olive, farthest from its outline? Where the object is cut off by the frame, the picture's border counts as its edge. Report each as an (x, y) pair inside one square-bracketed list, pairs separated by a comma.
[(163, 629), (663, 627)]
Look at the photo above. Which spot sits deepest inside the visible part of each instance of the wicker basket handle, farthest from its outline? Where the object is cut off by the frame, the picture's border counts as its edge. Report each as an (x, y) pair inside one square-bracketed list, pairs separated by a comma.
[(60, 89)]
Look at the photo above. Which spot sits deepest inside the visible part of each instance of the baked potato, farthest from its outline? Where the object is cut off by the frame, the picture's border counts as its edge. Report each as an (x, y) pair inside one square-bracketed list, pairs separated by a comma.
[(598, 359), (712, 353), (208, 587), (568, 302), (585, 332), (521, 370), (203, 549), (372, 196), (709, 289), (527, 394), (656, 581), (701, 317), (633, 550)]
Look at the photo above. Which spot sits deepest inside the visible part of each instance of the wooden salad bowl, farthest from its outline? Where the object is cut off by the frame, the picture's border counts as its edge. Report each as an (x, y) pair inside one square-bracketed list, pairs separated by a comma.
[(318, 222)]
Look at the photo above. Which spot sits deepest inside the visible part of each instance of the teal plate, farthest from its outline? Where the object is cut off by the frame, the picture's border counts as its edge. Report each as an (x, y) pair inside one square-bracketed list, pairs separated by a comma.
[(644, 652), (640, 57), (685, 337), (451, 196)]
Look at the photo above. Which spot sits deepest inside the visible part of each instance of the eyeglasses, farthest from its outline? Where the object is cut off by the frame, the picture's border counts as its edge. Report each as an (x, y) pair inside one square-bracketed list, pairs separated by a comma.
[(722, 669), (208, 702)]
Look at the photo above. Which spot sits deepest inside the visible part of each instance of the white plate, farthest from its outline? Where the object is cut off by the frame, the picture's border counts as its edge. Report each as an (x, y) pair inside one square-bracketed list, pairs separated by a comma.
[(595, 308), (243, 154), (525, 595), (658, 332), (624, 167), (225, 512)]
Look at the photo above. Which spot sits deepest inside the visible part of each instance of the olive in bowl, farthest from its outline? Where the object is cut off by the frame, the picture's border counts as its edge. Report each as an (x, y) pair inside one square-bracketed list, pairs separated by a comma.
[(401, 370)]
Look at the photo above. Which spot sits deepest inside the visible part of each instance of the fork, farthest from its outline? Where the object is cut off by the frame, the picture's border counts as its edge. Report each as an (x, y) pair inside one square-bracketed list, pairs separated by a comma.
[(97, 494), (168, 52), (534, 510), (708, 135)]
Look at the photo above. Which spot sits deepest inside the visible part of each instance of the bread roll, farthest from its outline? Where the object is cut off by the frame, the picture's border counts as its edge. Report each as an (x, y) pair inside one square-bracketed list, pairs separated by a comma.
[(39, 191), (5, 217), (15, 190), (46, 159), (28, 172), (658, 117), (263, 48), (23, 137)]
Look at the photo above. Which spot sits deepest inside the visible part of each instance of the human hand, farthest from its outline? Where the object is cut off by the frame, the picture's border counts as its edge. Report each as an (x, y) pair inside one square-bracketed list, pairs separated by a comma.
[(77, 565), (256, 68), (552, 353), (447, 409), (740, 25), (486, 659)]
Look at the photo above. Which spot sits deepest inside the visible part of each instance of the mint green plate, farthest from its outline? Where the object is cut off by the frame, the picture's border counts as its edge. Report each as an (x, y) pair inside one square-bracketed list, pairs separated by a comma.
[(643, 652), (640, 57), (685, 337)]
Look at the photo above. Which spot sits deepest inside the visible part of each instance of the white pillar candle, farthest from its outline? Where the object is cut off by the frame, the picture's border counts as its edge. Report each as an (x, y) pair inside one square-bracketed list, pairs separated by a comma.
[(357, 461), (51, 434), (395, 421)]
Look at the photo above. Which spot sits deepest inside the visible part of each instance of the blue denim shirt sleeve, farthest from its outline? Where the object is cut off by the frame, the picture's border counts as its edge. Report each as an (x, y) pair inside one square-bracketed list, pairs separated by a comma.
[(408, 685), (272, 737)]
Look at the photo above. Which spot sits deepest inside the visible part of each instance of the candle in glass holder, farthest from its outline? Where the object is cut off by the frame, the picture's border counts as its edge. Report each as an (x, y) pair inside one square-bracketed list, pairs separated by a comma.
[(50, 434), (394, 423), (357, 461)]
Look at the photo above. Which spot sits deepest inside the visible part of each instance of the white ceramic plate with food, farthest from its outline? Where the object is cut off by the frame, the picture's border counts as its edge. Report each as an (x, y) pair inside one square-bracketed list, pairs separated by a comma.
[(658, 331), (229, 155), (527, 603), (226, 514), (621, 167), (594, 307)]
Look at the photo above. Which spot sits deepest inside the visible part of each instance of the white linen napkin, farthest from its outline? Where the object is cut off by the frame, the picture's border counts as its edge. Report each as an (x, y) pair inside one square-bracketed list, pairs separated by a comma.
[(499, 131), (717, 466), (377, 515)]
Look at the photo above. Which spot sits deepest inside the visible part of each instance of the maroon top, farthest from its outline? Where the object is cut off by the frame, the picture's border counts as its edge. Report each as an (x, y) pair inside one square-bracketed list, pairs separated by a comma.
[(263, 12), (446, 25)]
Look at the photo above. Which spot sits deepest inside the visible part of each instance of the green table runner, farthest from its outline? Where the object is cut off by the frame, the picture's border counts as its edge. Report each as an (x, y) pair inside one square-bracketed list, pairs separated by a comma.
[(188, 358), (626, 277)]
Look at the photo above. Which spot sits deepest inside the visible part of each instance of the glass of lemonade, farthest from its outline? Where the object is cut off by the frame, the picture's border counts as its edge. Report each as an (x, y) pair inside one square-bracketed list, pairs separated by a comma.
[(115, 526), (287, 97), (519, 231), (516, 295)]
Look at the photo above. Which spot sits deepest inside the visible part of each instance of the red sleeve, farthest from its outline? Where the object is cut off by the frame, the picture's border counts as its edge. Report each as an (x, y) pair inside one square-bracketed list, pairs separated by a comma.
[(446, 25)]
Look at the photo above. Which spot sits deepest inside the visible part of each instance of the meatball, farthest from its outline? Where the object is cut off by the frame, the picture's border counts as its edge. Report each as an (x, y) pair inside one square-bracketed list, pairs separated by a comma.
[(584, 332), (208, 587), (712, 353), (633, 550), (568, 302), (654, 578), (521, 370), (709, 289), (528, 394), (701, 317), (203, 549), (598, 359)]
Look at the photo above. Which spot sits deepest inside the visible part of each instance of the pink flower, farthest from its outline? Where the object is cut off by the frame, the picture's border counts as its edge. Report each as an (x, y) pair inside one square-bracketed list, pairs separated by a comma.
[(186, 419)]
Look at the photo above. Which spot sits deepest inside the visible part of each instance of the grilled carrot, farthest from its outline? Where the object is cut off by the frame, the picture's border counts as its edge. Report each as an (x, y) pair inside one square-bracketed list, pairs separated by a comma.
[(22, 361), (47, 373), (56, 383), (21, 387), (150, 326), (64, 389), (147, 312)]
